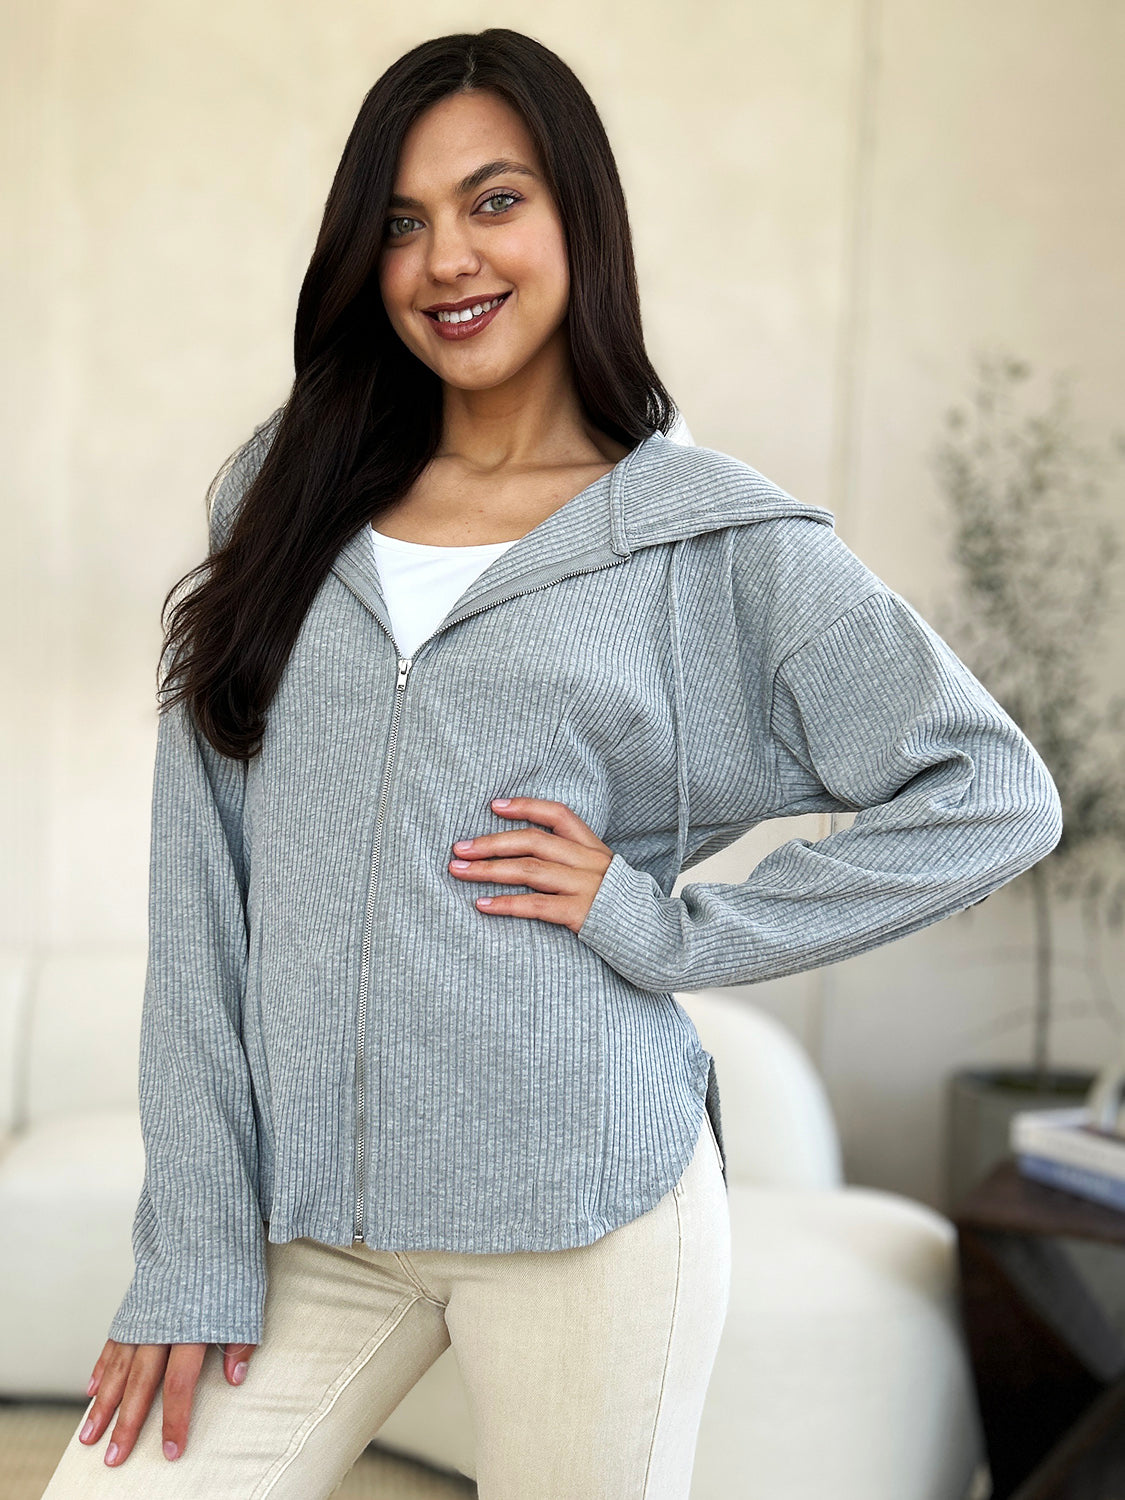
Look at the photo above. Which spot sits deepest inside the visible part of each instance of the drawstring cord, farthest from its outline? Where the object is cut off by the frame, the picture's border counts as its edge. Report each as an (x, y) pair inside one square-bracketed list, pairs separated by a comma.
[(682, 809), (711, 1102)]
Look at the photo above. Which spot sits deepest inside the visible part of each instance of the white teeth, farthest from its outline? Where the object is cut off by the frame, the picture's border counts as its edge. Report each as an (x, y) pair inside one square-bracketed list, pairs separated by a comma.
[(468, 312)]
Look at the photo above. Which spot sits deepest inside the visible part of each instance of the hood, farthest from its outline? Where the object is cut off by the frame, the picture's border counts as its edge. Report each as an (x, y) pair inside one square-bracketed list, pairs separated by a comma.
[(664, 491), (661, 491)]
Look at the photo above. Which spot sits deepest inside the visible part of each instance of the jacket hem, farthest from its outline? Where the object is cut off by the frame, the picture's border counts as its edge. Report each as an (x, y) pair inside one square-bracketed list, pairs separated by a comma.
[(510, 1239)]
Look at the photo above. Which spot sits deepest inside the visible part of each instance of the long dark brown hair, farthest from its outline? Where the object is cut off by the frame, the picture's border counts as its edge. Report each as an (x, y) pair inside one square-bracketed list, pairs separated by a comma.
[(364, 414)]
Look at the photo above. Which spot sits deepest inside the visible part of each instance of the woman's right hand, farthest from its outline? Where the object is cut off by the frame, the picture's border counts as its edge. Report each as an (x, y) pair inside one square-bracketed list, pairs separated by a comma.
[(129, 1375)]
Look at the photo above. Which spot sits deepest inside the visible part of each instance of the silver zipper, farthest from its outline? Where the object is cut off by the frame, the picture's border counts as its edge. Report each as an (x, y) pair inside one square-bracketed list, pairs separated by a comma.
[(404, 665)]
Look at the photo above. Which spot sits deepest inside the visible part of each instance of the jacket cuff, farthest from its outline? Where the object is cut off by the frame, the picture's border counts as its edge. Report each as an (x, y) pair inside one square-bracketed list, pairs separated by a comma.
[(635, 927), (156, 1315), (194, 1294)]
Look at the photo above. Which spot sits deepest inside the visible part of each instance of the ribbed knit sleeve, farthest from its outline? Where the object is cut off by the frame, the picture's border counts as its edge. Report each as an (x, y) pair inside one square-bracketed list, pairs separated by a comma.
[(198, 1235), (951, 799)]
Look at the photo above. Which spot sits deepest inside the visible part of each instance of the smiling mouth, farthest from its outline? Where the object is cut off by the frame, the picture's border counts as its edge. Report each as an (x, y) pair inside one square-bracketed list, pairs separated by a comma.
[(467, 314)]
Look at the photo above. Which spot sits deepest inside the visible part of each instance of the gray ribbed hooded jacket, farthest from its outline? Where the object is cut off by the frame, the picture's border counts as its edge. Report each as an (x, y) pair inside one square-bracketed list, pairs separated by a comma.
[(337, 1043)]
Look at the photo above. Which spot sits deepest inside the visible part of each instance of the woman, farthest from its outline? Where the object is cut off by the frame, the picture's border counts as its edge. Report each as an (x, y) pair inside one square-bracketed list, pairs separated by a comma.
[(400, 1090)]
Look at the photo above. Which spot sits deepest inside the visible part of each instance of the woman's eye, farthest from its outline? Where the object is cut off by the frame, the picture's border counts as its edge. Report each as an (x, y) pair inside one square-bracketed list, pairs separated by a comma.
[(492, 197), (403, 219)]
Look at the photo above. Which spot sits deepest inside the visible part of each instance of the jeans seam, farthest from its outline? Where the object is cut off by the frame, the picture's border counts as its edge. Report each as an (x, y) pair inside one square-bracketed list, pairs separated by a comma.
[(416, 1280), (668, 1350), (328, 1401)]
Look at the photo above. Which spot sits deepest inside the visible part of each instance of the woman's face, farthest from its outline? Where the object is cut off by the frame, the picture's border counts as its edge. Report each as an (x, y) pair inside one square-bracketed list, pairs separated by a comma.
[(449, 239)]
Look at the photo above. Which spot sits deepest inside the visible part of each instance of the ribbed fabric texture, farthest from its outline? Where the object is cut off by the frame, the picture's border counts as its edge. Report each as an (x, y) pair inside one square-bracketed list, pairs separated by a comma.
[(335, 1038)]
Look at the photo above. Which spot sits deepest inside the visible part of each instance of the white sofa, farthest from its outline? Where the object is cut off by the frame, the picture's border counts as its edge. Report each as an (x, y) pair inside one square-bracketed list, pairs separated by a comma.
[(842, 1370)]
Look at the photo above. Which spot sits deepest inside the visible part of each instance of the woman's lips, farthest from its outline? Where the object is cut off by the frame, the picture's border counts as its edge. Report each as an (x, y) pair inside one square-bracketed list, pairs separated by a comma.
[(466, 330)]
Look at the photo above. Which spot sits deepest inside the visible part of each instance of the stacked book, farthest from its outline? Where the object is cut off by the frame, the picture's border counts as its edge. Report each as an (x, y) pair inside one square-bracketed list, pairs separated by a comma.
[(1065, 1149)]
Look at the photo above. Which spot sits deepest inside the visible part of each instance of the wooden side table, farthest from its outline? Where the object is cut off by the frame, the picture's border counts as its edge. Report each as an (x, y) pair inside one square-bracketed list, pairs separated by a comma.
[(1049, 1366)]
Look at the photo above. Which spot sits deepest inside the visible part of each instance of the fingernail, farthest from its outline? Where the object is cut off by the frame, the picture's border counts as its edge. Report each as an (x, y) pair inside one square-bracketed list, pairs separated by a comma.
[(170, 1449), (90, 1387), (111, 1453), (461, 864), (501, 801), (484, 900), (84, 1435), (240, 1372)]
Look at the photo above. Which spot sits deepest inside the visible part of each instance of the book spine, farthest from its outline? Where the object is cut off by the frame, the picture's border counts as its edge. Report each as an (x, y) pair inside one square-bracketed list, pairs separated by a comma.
[(1078, 1180), (1070, 1146)]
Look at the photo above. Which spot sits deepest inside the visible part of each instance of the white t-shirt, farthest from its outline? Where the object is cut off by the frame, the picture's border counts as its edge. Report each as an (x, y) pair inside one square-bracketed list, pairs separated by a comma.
[(421, 582)]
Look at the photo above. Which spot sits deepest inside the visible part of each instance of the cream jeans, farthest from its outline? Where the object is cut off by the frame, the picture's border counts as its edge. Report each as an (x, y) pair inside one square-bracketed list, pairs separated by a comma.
[(586, 1369)]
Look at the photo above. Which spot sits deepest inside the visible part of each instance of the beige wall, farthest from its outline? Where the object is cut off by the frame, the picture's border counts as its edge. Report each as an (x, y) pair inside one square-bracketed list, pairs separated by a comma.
[(834, 204)]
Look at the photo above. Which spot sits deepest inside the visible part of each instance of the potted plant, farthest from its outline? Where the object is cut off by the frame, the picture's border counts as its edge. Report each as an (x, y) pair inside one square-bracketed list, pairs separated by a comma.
[(1033, 556)]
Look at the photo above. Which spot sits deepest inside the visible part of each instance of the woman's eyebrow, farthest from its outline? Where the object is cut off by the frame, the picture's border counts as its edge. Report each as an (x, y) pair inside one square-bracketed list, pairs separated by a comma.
[(475, 178)]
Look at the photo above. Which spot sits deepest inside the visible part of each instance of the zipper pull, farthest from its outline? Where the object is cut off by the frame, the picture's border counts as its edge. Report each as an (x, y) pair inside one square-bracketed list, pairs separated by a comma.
[(404, 663)]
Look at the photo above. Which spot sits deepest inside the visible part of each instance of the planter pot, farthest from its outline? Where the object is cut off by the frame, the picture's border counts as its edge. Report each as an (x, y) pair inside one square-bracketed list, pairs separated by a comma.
[(980, 1106)]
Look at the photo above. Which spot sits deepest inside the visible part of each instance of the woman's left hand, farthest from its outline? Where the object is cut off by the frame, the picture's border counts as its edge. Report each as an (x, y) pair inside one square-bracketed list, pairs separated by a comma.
[(566, 864)]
